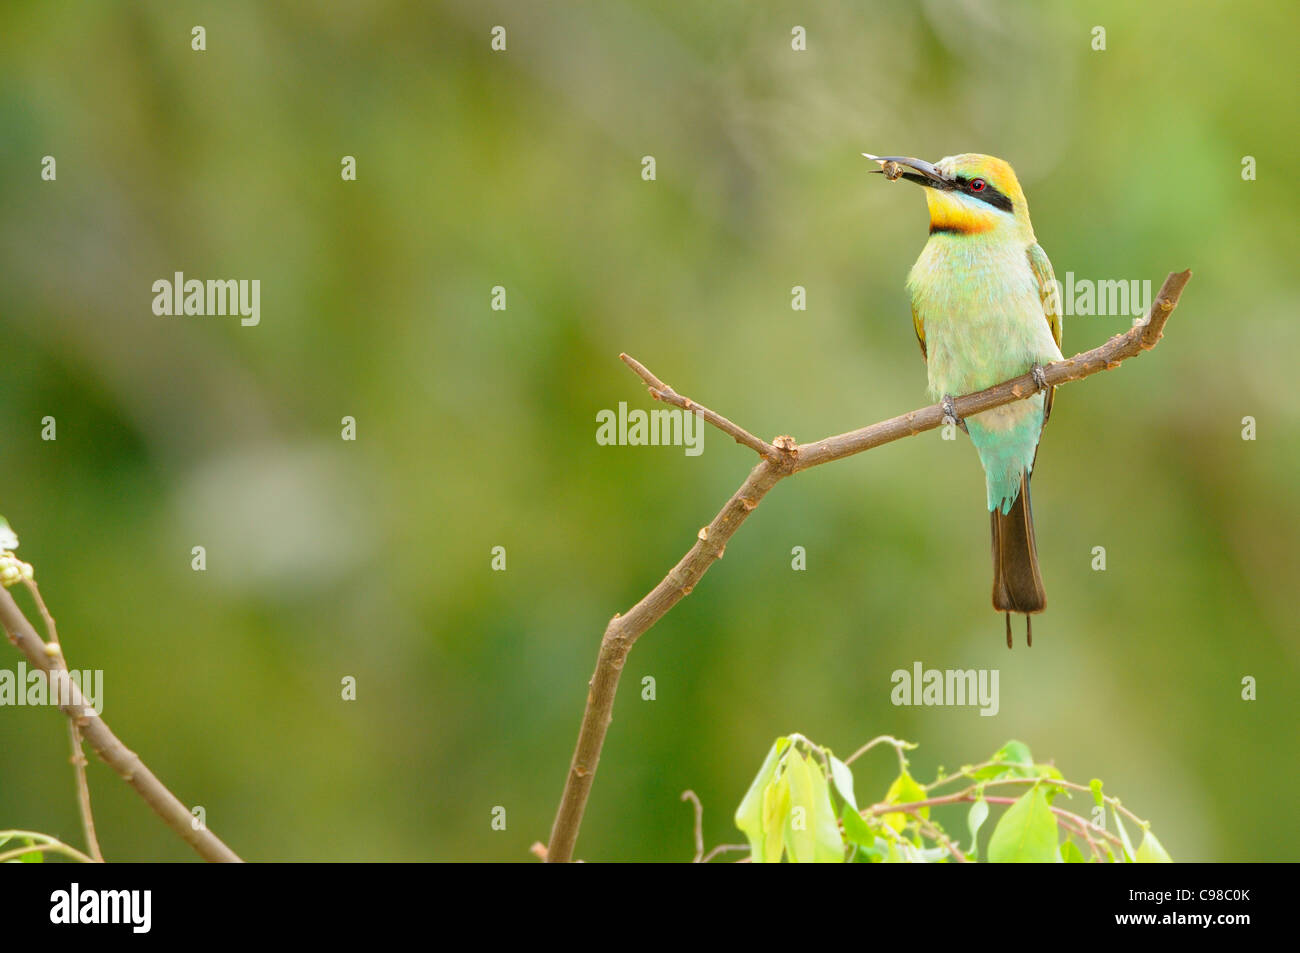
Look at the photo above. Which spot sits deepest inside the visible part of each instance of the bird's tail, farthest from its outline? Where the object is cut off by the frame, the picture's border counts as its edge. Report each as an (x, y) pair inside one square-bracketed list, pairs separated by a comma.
[(1017, 585)]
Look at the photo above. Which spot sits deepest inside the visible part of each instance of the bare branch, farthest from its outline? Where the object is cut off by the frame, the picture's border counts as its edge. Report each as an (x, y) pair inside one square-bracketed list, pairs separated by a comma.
[(1142, 337), (777, 462)]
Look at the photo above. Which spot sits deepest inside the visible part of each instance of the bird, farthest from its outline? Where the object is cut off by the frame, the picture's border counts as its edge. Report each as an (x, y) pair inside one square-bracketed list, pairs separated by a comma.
[(985, 308)]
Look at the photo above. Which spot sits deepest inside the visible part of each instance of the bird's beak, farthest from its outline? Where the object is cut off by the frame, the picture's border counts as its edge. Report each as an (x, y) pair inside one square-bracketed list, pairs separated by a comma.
[(924, 173)]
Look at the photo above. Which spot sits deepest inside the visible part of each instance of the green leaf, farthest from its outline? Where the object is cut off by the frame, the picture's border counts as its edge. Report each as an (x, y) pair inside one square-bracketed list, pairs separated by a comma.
[(776, 810), (979, 813), (1018, 763), (1017, 752), (1097, 798), (828, 844), (904, 790), (800, 823), (857, 830), (1071, 854), (1027, 831), (843, 779), (749, 816), (1150, 851), (1123, 836)]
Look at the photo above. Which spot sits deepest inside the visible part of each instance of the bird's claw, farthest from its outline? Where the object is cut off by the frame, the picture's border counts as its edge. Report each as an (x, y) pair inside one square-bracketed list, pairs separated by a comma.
[(1040, 376), (950, 413)]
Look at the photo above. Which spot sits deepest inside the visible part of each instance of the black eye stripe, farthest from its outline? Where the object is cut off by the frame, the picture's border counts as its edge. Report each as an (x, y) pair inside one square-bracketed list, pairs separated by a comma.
[(990, 193)]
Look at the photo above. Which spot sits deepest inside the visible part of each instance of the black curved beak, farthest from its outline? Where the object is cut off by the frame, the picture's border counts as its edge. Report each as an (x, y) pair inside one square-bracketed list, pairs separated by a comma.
[(924, 172)]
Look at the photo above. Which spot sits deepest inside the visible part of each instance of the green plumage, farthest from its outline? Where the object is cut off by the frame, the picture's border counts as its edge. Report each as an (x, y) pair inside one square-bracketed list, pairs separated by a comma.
[(984, 306), (980, 301)]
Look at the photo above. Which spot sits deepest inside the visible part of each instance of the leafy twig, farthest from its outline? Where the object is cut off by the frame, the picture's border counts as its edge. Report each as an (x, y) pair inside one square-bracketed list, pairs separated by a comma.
[(44, 844)]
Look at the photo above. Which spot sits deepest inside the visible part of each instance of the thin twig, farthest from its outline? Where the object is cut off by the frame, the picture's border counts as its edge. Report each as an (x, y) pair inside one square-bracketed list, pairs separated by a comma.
[(970, 795), (1073, 786), (969, 771), (74, 732), (941, 837), (661, 391), (722, 849), (699, 824), (1082, 831), (50, 845), (778, 461), (106, 744), (78, 760), (899, 747)]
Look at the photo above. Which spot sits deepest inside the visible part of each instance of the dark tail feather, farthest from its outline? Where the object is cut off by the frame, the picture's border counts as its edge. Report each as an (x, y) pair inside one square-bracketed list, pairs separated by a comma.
[(1017, 585)]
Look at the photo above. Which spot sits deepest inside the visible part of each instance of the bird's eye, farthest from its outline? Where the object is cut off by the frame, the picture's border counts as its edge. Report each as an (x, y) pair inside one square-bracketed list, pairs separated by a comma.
[(977, 185)]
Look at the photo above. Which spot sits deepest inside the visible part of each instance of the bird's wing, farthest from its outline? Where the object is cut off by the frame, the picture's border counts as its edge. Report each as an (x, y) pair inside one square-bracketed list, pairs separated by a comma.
[(1042, 269), (919, 324)]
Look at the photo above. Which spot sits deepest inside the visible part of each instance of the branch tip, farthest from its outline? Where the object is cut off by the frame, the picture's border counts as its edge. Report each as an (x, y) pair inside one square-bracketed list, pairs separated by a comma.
[(661, 391)]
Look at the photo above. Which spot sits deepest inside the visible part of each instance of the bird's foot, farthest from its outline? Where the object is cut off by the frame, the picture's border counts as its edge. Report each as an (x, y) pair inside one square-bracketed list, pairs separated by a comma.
[(1040, 376), (950, 413)]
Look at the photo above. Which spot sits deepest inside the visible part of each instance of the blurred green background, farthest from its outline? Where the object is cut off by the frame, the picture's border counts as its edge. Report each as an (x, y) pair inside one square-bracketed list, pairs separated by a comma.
[(476, 428)]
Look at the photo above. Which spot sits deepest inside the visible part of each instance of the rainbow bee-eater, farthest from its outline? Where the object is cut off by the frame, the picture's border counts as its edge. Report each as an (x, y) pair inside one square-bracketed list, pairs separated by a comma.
[(985, 309)]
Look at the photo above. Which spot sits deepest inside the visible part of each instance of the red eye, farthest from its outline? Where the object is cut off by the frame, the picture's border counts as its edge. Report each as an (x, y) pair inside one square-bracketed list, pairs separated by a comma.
[(977, 185)]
